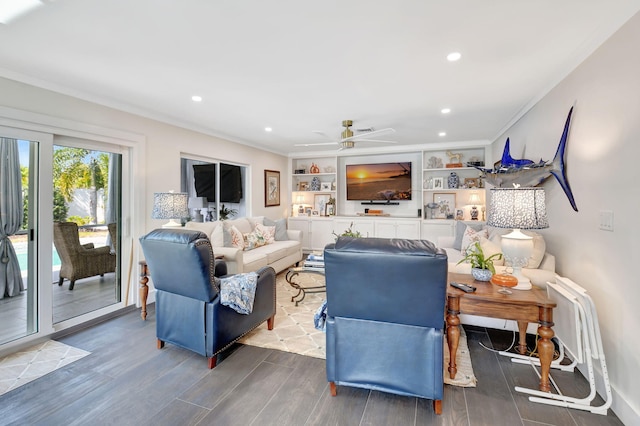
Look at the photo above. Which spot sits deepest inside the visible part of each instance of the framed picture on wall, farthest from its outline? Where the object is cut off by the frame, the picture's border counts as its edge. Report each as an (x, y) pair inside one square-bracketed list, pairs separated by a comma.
[(446, 202), (271, 188)]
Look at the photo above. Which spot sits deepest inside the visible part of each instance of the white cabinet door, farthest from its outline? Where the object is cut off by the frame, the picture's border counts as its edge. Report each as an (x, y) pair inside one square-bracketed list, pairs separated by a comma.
[(364, 226), (432, 229), (408, 229), (321, 233), (303, 225)]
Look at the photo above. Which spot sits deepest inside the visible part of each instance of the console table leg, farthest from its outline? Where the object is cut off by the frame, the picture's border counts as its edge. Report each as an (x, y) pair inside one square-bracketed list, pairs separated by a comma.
[(522, 337), (144, 289), (545, 348), (453, 333)]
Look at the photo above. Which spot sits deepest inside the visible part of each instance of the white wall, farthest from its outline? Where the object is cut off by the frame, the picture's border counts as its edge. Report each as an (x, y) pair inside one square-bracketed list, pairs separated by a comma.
[(164, 144), (603, 157)]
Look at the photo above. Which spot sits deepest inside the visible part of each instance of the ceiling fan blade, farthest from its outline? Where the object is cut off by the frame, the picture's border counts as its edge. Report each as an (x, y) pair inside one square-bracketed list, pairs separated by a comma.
[(374, 140), (368, 134), (316, 144)]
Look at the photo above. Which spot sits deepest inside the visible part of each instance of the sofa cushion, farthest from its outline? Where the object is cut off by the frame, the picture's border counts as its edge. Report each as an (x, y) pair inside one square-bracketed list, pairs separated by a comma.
[(460, 228), (212, 229), (281, 228), (281, 249), (243, 224), (255, 259)]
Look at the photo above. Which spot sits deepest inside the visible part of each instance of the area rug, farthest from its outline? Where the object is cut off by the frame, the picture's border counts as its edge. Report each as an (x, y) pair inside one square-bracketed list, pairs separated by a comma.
[(294, 331), (34, 362)]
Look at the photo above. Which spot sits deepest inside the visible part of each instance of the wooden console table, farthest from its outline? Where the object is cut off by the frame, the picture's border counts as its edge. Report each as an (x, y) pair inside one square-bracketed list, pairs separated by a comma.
[(523, 306)]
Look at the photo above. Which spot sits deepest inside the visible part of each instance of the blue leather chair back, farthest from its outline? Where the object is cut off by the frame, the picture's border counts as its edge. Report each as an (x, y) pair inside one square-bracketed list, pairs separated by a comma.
[(173, 266), (390, 280)]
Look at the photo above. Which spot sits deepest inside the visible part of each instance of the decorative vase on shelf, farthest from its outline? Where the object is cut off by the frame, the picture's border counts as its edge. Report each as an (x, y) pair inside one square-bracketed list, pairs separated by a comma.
[(453, 180), (481, 274), (315, 183)]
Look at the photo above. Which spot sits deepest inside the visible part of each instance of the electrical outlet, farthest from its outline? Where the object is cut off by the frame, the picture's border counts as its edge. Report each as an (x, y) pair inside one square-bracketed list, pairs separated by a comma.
[(606, 220)]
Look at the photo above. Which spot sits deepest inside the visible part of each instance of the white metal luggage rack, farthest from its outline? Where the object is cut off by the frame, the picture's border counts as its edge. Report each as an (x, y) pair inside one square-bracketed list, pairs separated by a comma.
[(577, 329)]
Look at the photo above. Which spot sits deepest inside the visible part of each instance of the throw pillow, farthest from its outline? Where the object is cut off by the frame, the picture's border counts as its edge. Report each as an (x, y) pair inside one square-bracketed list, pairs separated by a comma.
[(232, 236), (460, 228), (471, 236), (489, 248), (217, 236), (267, 232), (253, 240), (281, 228)]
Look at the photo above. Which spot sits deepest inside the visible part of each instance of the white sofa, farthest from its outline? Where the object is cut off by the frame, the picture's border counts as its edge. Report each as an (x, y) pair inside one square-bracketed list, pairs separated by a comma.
[(285, 251), (542, 267)]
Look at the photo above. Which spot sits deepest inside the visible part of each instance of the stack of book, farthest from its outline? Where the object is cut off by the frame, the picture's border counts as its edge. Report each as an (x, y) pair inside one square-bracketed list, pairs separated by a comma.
[(314, 262)]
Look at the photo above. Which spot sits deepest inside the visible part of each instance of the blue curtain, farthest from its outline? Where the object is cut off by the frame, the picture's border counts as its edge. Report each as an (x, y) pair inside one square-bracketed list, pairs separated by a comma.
[(10, 217)]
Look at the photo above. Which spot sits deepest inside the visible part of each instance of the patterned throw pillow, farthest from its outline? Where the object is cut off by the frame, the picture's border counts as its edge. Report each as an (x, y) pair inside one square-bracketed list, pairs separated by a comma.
[(233, 237), (253, 240), (470, 237), (267, 232)]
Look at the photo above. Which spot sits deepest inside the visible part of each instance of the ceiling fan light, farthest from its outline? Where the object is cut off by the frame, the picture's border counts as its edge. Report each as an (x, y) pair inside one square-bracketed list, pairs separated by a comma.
[(347, 144)]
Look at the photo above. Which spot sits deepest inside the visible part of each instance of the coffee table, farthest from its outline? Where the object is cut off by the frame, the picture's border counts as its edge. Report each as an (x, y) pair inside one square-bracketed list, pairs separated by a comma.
[(523, 306), (302, 291)]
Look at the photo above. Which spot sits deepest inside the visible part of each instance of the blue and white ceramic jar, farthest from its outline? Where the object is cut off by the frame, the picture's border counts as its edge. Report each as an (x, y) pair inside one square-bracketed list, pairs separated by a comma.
[(453, 181), (315, 183)]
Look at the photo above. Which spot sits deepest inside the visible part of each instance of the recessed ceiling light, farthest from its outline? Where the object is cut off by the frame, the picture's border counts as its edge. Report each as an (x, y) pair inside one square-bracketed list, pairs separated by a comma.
[(196, 98), (445, 110), (441, 134), (268, 129), (453, 56)]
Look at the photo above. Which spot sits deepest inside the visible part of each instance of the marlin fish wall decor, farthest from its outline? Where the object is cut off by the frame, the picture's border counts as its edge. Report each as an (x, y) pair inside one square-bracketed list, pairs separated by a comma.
[(523, 172)]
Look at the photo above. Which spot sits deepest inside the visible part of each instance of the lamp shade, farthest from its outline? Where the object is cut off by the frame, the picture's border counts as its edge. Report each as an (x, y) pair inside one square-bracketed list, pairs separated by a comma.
[(474, 198), (170, 205), (517, 208)]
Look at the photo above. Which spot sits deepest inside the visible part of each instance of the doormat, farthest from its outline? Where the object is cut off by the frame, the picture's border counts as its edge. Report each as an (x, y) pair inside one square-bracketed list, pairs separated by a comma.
[(34, 362), (294, 331)]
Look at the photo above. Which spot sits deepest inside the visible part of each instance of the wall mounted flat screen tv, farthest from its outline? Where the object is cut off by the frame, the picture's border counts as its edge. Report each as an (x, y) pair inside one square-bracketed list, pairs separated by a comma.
[(381, 181)]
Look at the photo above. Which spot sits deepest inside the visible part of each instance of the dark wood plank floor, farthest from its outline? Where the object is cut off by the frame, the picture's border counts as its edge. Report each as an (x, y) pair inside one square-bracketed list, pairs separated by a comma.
[(127, 381)]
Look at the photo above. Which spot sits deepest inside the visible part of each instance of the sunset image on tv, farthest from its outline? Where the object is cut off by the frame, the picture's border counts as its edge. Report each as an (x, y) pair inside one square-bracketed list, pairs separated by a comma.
[(382, 181)]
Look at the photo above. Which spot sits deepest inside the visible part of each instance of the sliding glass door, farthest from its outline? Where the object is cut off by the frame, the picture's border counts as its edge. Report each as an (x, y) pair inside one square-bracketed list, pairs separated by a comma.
[(18, 245)]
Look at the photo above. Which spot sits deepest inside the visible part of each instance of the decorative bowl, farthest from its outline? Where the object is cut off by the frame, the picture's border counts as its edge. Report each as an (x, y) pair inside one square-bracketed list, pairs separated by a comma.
[(481, 274)]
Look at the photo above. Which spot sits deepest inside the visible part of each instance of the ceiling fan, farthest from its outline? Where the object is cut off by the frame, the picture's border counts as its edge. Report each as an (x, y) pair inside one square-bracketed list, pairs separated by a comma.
[(348, 139)]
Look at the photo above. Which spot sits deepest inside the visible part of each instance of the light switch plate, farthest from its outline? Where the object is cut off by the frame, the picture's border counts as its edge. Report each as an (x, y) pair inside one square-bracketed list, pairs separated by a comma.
[(606, 220)]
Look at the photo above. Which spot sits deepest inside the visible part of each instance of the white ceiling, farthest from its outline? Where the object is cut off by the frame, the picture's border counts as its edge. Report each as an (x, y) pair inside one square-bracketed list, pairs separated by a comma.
[(298, 66)]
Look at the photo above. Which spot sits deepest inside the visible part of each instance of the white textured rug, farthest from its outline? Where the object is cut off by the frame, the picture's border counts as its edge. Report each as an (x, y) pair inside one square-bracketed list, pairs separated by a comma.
[(294, 331), (34, 362)]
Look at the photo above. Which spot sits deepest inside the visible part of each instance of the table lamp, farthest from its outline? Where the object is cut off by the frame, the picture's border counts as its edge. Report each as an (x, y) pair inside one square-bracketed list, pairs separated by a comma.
[(474, 199), (170, 205), (518, 208)]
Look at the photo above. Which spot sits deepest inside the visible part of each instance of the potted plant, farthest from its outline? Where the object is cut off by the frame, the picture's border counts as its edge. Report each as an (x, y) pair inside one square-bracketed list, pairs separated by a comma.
[(226, 213), (482, 267), (348, 233)]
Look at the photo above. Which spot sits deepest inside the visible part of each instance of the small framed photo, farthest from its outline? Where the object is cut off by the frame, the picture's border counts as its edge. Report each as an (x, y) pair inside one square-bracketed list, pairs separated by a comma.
[(325, 186), (471, 182), (303, 186), (329, 210), (319, 203), (271, 188), (315, 213), (459, 214), (438, 183), (307, 211)]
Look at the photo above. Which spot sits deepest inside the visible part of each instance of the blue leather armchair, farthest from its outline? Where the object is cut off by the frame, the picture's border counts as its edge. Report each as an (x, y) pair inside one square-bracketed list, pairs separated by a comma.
[(385, 316), (188, 309)]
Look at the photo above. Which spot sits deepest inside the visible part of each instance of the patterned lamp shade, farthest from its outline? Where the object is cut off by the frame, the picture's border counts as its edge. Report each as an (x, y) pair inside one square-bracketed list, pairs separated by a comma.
[(170, 205), (518, 208)]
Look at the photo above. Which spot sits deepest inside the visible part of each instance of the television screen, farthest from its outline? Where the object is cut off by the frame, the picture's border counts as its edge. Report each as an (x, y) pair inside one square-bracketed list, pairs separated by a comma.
[(382, 181)]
